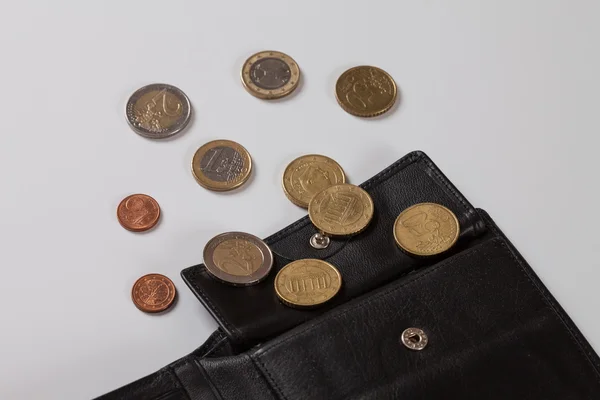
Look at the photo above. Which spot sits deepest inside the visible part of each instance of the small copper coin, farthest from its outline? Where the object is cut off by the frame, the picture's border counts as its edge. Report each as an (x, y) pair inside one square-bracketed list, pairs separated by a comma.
[(153, 293), (138, 212)]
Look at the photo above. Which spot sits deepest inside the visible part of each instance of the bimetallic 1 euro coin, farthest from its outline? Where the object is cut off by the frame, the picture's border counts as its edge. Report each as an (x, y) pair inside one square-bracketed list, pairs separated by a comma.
[(238, 258), (307, 283), (341, 210), (270, 75), (426, 229), (153, 293), (308, 175), (158, 111), (138, 212), (366, 91), (221, 165)]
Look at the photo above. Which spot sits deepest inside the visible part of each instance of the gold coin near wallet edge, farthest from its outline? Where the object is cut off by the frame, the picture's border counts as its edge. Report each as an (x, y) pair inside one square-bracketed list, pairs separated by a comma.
[(270, 75), (221, 165), (366, 91), (426, 229), (158, 111), (308, 175), (238, 258), (341, 210), (307, 283)]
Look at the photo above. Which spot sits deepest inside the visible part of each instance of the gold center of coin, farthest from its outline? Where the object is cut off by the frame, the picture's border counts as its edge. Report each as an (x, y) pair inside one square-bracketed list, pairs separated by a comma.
[(307, 283), (366, 91), (426, 229), (157, 110), (341, 210), (238, 257), (308, 175)]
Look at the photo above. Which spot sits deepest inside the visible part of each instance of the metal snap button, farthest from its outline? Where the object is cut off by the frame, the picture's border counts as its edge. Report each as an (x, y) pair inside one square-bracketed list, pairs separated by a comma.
[(414, 338), (319, 241)]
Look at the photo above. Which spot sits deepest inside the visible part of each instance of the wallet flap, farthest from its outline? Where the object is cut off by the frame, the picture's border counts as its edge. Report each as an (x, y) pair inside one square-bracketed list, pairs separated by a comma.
[(250, 315)]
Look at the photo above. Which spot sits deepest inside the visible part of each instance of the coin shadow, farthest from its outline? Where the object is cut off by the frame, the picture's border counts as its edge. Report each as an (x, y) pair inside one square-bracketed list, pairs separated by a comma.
[(291, 95)]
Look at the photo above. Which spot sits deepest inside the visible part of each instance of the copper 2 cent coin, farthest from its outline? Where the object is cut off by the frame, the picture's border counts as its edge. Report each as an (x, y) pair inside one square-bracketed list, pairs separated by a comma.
[(153, 293), (138, 213)]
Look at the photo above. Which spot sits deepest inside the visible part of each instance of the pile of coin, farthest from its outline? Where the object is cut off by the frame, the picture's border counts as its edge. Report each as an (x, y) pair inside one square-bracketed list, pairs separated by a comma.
[(316, 182)]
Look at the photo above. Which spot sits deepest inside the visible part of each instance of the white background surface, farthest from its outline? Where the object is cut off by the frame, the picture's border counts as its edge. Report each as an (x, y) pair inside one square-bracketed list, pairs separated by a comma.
[(503, 95)]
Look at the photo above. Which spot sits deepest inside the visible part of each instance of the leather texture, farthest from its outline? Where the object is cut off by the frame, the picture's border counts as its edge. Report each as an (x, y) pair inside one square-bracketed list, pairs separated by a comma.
[(495, 332)]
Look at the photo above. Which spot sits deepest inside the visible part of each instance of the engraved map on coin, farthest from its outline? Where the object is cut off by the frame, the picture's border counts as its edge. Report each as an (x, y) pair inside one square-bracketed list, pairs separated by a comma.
[(153, 293), (308, 175), (426, 229), (138, 212), (158, 111), (307, 283), (222, 164), (238, 257), (341, 210), (366, 91), (270, 73)]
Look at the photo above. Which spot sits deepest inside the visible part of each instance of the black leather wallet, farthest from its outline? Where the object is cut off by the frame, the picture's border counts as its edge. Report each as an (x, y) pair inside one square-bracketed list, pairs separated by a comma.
[(494, 331)]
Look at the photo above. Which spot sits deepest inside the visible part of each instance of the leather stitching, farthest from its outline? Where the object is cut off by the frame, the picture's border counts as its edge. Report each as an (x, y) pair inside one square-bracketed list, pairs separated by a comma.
[(263, 368), (550, 303)]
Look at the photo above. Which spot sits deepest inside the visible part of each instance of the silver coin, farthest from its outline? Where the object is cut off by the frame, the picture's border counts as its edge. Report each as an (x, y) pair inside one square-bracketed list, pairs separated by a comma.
[(158, 111), (238, 258)]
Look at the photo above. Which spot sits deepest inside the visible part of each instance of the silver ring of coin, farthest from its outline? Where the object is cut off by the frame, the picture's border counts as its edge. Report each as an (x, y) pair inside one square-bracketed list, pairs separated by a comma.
[(238, 258), (158, 111)]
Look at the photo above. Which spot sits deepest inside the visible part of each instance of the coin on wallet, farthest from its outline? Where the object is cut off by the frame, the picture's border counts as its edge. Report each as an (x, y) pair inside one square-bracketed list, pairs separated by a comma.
[(238, 258), (270, 75), (153, 293), (308, 175), (138, 212), (307, 283), (341, 210), (366, 91), (221, 165), (158, 111), (426, 229)]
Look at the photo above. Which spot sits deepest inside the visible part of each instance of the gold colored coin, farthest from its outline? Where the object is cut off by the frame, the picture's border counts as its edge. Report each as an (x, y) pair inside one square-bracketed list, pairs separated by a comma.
[(426, 229), (308, 175), (341, 210), (307, 283), (270, 75), (366, 91), (221, 165)]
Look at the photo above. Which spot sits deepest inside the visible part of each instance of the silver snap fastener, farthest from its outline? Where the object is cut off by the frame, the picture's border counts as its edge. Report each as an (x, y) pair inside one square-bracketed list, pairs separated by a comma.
[(414, 338), (319, 241)]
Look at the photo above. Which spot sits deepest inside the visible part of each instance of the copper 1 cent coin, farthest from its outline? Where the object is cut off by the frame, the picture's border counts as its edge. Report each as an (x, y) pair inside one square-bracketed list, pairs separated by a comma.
[(153, 293), (138, 212)]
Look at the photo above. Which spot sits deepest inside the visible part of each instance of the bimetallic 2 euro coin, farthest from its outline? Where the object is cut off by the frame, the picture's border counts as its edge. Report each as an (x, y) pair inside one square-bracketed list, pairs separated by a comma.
[(221, 165), (158, 111), (270, 75), (238, 258), (308, 175), (426, 229), (307, 283), (341, 210)]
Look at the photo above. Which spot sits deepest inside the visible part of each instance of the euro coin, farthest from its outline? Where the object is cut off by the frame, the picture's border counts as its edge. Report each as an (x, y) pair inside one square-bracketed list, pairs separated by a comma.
[(307, 283), (366, 91)]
